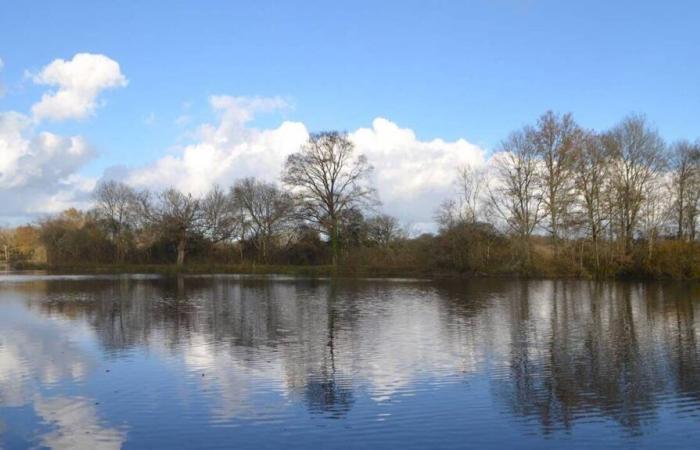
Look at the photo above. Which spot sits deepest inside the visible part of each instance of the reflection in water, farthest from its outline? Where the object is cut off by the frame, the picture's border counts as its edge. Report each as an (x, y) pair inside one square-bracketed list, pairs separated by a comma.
[(502, 360), (75, 425)]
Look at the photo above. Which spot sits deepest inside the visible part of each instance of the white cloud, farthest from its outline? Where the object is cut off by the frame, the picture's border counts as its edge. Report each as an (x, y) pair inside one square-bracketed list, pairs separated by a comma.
[(79, 82), (411, 172), (38, 170), (227, 150), (408, 171)]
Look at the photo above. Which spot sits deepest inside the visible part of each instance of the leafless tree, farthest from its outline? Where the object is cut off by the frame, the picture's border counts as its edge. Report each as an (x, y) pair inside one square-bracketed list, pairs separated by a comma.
[(175, 214), (516, 195), (115, 206), (447, 214), (685, 185), (267, 209), (222, 217), (556, 138), (470, 182), (636, 159), (329, 179), (654, 213), (383, 230), (591, 181)]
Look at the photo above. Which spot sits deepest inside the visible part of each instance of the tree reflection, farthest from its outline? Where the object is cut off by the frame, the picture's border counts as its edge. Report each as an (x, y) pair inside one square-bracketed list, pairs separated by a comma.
[(554, 352)]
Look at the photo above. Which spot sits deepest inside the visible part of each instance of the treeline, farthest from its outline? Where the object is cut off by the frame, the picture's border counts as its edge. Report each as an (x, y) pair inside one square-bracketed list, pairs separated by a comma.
[(579, 202), (555, 199), (325, 207)]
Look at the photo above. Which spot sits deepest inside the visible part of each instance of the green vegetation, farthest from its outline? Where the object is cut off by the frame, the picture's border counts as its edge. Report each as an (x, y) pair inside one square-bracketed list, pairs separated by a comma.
[(555, 200)]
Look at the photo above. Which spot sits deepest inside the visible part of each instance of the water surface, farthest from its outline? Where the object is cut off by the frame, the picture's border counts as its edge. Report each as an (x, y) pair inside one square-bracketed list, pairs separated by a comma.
[(244, 362)]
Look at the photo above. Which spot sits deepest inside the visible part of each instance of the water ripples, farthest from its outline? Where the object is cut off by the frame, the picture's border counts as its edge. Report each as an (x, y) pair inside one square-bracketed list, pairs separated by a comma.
[(222, 361)]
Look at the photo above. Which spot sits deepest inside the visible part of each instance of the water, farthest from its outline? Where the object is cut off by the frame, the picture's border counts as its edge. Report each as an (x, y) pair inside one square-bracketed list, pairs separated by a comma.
[(241, 362)]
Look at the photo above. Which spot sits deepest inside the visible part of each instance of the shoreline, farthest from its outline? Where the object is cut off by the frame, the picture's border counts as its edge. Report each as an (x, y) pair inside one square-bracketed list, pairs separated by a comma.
[(323, 271)]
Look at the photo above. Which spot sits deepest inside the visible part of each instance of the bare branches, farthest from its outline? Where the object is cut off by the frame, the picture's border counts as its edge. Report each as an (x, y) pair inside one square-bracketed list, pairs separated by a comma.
[(556, 140), (636, 159), (265, 208), (328, 180)]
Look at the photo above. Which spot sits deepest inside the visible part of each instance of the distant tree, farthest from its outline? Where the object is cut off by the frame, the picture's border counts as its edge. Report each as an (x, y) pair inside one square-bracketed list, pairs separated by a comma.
[(685, 186), (383, 230), (654, 213), (114, 204), (470, 182), (267, 209), (515, 194), (175, 215), (591, 181), (222, 217), (73, 237), (636, 159), (556, 139), (328, 179)]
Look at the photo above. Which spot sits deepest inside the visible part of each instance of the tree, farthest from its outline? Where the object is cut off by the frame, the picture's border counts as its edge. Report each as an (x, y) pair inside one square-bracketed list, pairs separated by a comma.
[(636, 159), (654, 213), (222, 217), (383, 230), (556, 139), (516, 195), (114, 204), (470, 181), (266, 207), (328, 180), (590, 176), (176, 215), (685, 185)]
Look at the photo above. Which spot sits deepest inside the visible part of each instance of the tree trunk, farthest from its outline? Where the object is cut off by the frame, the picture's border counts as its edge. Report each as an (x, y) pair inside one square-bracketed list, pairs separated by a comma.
[(334, 242), (181, 246)]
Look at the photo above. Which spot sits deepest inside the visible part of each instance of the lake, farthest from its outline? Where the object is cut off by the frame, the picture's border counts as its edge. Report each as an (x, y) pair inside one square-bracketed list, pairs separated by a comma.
[(106, 362)]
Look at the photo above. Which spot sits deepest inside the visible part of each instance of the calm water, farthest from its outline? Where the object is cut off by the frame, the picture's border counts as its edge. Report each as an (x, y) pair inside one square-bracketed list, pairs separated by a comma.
[(236, 362)]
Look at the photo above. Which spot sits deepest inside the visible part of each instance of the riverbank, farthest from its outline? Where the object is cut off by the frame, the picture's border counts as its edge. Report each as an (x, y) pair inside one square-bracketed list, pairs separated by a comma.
[(322, 271), (252, 269)]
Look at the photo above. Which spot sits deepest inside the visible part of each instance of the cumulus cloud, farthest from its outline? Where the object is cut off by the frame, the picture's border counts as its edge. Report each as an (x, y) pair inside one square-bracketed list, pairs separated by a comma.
[(38, 170), (78, 84), (408, 171), (412, 172), (226, 150)]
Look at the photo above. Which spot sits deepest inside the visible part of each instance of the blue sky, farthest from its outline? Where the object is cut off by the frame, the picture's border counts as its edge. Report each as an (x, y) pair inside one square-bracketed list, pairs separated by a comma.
[(444, 69)]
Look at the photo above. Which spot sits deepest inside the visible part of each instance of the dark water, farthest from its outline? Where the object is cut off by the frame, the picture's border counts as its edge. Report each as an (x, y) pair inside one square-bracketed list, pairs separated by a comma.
[(235, 362)]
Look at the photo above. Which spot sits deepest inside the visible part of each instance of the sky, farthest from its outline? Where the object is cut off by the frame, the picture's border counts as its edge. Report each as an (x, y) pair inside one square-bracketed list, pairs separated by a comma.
[(188, 94)]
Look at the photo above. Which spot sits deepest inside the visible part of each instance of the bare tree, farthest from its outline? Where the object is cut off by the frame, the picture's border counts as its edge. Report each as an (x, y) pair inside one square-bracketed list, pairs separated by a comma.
[(685, 185), (329, 179), (556, 139), (470, 182), (174, 214), (654, 213), (447, 215), (516, 195), (222, 217), (267, 209), (383, 230), (590, 176), (636, 159), (114, 204)]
